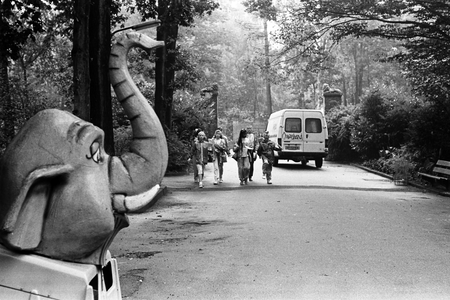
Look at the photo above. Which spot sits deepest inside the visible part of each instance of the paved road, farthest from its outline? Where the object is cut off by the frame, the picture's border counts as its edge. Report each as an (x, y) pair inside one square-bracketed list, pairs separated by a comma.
[(333, 233), (291, 174)]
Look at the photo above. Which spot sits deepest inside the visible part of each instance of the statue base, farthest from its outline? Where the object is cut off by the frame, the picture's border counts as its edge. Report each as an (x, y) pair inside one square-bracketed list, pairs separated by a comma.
[(34, 277)]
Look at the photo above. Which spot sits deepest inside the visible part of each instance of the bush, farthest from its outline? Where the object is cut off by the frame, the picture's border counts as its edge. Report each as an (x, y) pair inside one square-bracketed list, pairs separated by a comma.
[(429, 131), (381, 165), (179, 153), (340, 122), (368, 130), (122, 139), (393, 162), (379, 123)]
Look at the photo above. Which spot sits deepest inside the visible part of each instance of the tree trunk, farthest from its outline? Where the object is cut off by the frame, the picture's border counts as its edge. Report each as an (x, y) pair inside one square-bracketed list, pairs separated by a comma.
[(344, 90), (267, 69), (359, 72), (165, 71), (215, 101), (160, 103), (170, 71), (255, 92), (160, 78), (100, 87), (80, 56), (359, 56), (23, 66), (318, 95), (5, 97)]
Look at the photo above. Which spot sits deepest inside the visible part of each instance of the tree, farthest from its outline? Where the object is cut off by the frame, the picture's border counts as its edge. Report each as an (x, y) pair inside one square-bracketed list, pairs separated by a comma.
[(267, 12), (20, 20), (80, 57), (100, 86), (90, 54), (422, 26), (88, 23), (172, 14)]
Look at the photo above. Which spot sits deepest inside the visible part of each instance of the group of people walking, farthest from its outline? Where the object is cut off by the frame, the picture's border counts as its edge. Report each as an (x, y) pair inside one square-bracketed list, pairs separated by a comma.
[(214, 150), (246, 150)]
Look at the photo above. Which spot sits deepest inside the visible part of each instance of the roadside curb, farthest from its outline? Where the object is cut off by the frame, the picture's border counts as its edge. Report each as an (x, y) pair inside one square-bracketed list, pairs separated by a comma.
[(414, 184)]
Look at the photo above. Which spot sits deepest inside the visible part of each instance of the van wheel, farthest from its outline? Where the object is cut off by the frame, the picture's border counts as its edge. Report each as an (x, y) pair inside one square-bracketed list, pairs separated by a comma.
[(275, 162), (319, 162)]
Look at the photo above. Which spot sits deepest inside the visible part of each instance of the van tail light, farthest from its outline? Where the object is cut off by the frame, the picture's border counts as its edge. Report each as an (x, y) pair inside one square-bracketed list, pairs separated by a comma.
[(326, 143), (279, 142)]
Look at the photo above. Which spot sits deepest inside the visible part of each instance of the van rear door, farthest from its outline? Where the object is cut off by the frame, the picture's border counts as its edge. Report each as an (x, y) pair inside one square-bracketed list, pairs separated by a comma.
[(292, 138), (314, 139)]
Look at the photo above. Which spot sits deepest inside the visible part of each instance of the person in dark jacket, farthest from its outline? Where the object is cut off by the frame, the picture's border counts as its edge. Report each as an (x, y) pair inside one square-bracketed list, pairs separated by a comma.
[(265, 152), (251, 151), (194, 140), (241, 149)]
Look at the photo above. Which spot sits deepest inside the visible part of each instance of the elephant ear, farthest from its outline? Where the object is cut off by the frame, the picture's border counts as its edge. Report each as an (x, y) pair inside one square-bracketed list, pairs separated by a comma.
[(25, 219)]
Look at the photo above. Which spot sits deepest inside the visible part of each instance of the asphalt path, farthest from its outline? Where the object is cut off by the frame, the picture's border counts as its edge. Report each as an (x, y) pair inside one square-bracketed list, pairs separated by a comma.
[(337, 232)]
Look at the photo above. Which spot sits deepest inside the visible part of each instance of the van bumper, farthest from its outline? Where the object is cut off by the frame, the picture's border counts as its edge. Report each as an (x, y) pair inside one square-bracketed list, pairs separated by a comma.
[(299, 156)]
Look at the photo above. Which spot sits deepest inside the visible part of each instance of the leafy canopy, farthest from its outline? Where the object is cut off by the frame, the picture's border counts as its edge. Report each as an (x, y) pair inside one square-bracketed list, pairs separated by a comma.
[(174, 11), (19, 21), (264, 9), (423, 27)]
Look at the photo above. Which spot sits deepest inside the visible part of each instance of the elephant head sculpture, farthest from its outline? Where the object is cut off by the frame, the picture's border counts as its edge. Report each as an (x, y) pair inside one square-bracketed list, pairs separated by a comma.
[(61, 195)]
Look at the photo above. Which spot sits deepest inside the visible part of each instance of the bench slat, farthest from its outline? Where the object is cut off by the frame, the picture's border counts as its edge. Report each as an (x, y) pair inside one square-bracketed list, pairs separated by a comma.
[(441, 170), (443, 163), (432, 176)]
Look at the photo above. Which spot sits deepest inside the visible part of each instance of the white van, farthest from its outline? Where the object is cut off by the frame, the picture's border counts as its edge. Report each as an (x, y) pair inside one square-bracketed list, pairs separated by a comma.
[(301, 133)]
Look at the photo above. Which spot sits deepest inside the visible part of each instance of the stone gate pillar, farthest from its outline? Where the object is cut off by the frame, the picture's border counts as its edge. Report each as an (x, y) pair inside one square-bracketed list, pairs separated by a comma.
[(332, 98)]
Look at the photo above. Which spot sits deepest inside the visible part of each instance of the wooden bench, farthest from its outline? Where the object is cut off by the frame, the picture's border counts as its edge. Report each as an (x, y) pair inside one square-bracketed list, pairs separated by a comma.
[(441, 171)]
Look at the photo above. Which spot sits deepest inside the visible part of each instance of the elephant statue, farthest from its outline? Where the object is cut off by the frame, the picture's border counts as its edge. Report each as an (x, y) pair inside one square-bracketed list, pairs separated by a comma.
[(61, 195)]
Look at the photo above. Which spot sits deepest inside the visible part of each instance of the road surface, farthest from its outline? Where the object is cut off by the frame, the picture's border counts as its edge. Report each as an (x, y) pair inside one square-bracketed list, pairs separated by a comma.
[(337, 232)]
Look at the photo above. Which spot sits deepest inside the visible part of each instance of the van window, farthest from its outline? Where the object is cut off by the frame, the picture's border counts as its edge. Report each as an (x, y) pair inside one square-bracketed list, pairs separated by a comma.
[(313, 125), (293, 125)]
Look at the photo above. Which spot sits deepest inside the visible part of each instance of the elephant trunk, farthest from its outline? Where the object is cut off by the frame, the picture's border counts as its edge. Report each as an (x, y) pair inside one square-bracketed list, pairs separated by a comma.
[(144, 166)]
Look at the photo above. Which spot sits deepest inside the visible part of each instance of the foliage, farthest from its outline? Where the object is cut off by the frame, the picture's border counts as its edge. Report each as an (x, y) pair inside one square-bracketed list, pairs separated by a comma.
[(264, 8), (179, 153), (343, 43), (339, 123), (368, 132), (381, 165), (191, 112), (429, 130), (20, 20), (122, 139), (395, 161), (421, 26), (179, 150), (172, 14), (377, 124), (177, 12), (40, 78), (381, 122), (228, 51)]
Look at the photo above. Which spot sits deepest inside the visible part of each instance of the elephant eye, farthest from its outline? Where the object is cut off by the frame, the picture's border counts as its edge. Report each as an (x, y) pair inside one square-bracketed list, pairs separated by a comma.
[(95, 152)]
